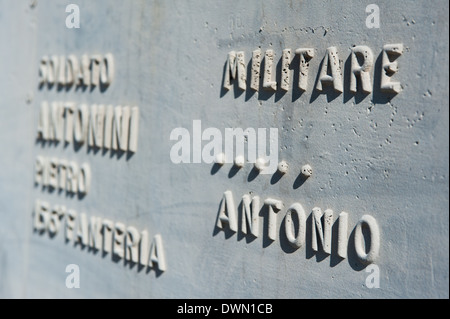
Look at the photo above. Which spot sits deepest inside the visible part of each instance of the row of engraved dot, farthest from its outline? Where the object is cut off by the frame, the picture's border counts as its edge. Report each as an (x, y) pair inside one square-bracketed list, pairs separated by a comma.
[(283, 166)]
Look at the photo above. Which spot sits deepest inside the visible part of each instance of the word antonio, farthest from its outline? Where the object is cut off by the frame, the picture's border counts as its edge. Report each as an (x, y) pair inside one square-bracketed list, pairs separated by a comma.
[(100, 234), (102, 126), (329, 74), (295, 226)]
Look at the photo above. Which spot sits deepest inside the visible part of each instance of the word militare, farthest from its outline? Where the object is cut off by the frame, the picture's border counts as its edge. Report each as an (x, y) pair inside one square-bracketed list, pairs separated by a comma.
[(330, 71)]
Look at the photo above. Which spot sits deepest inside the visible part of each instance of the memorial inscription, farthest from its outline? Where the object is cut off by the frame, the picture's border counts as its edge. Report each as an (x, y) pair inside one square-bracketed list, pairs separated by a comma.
[(366, 247), (330, 73), (97, 126)]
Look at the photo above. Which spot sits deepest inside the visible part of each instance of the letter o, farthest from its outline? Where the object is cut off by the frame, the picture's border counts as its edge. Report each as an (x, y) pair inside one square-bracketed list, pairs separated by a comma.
[(371, 223), (107, 69), (84, 179), (299, 240)]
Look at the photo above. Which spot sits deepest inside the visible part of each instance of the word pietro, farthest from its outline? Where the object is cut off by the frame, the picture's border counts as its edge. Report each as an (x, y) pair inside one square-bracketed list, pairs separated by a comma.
[(329, 74), (321, 227), (63, 175)]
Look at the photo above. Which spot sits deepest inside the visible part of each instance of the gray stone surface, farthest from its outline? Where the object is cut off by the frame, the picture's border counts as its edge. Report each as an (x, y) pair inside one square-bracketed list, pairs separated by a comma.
[(370, 155)]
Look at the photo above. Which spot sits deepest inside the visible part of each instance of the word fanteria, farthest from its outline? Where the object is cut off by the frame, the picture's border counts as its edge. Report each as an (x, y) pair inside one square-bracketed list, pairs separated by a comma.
[(97, 233), (330, 73), (295, 226)]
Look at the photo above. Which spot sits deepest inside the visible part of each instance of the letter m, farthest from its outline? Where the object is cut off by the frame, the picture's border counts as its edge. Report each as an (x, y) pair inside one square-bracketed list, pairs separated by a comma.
[(235, 67)]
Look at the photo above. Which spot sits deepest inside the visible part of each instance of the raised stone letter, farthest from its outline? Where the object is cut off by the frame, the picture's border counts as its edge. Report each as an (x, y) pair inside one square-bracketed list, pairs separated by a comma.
[(268, 82), (305, 56), (322, 231), (132, 244), (285, 71), (250, 211), (389, 67), (227, 212), (361, 71), (157, 256), (274, 207), (256, 70), (331, 61), (299, 240), (342, 235), (95, 233), (235, 66), (119, 240), (372, 254), (82, 230)]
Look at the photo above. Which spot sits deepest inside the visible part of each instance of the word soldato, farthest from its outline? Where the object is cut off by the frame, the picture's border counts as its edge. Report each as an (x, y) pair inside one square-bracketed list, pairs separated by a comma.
[(92, 70), (295, 226), (100, 234), (102, 126), (330, 72)]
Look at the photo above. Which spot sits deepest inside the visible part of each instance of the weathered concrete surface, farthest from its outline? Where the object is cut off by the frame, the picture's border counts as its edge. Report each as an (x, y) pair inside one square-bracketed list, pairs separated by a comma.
[(371, 155)]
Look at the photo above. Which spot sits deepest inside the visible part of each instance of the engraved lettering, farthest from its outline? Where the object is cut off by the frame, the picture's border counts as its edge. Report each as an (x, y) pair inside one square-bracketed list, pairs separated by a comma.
[(372, 225), (389, 67), (82, 71), (119, 240), (305, 56), (82, 235), (235, 67), (132, 244), (367, 246), (361, 71), (331, 71), (285, 69), (274, 206), (322, 231), (227, 213), (296, 241), (256, 70), (95, 232), (157, 255), (342, 235), (250, 218), (269, 74), (99, 126)]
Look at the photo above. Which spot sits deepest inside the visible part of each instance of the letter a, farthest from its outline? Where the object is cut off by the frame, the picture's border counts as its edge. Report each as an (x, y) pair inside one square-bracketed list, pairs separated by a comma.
[(73, 19), (373, 19), (73, 279), (227, 212)]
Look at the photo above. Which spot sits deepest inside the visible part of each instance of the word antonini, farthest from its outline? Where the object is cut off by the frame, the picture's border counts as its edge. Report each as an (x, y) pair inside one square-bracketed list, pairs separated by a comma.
[(102, 126)]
